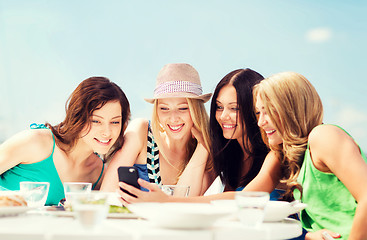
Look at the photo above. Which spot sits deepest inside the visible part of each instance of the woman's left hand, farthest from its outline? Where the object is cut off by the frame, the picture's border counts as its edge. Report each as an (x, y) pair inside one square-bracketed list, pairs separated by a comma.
[(155, 194)]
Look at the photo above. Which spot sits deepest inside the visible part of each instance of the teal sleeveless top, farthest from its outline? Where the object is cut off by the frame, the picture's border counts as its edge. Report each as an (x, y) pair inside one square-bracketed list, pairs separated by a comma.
[(43, 171), (330, 205)]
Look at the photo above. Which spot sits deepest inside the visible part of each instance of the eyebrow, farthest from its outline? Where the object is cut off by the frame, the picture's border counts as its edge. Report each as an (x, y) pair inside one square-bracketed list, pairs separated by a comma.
[(95, 115), (228, 103)]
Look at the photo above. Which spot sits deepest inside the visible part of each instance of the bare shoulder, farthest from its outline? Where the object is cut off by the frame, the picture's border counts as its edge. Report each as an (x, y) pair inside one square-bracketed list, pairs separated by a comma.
[(135, 138), (33, 145), (34, 138), (136, 131), (138, 125), (135, 135), (327, 144), (40, 143), (327, 136)]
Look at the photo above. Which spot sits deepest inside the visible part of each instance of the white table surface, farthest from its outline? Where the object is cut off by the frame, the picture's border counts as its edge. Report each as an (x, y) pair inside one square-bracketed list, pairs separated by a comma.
[(50, 227)]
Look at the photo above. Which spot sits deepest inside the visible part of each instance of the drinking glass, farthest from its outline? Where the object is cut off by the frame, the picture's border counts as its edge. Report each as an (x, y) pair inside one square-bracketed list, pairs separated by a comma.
[(35, 193), (176, 190), (74, 188), (91, 208), (251, 207)]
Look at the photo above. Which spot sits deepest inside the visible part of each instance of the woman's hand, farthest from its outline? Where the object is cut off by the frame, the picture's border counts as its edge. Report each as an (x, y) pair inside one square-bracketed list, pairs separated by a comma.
[(197, 135), (155, 194), (322, 234)]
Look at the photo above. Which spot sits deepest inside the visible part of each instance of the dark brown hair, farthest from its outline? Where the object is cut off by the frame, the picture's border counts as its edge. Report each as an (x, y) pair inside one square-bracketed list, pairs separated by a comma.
[(90, 95)]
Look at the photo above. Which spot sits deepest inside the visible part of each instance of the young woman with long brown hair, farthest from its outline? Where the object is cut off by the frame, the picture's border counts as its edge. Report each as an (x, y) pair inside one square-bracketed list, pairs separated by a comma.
[(97, 113)]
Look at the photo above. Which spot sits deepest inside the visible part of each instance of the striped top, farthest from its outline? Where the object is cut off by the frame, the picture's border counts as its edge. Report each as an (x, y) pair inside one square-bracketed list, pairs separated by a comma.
[(153, 159)]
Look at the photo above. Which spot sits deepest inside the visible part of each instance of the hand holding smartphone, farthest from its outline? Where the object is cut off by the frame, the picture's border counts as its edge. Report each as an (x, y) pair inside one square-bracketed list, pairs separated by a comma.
[(128, 175)]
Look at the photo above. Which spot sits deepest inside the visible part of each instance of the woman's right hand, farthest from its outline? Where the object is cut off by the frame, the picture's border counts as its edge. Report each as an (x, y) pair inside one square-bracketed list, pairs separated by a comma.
[(155, 194), (320, 235)]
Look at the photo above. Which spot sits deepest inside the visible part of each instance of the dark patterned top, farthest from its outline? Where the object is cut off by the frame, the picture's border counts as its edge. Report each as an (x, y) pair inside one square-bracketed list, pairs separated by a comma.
[(153, 159)]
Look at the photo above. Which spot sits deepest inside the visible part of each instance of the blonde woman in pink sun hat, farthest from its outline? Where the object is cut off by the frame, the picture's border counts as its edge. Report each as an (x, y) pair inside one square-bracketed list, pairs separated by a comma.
[(173, 147)]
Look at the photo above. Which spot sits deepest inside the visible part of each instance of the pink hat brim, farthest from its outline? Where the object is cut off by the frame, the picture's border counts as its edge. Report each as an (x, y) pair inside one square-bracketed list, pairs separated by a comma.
[(204, 97)]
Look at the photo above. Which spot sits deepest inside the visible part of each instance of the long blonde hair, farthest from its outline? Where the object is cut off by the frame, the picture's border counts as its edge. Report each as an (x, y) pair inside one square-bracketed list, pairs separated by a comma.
[(200, 119), (295, 108)]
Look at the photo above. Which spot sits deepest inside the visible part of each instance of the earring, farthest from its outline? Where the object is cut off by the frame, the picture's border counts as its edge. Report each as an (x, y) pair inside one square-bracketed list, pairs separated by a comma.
[(161, 129)]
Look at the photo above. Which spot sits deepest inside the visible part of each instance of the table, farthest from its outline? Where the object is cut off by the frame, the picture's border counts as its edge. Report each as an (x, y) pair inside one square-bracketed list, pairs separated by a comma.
[(50, 227)]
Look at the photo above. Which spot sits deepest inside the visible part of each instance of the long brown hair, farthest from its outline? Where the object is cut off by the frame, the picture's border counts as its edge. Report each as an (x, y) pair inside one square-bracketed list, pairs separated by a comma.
[(90, 95)]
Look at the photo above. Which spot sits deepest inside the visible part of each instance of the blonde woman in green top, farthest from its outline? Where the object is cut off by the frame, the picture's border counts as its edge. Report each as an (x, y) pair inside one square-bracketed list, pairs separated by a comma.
[(322, 165)]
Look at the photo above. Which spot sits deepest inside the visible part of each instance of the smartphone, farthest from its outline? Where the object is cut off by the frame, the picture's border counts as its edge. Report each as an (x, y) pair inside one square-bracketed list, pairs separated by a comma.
[(130, 176)]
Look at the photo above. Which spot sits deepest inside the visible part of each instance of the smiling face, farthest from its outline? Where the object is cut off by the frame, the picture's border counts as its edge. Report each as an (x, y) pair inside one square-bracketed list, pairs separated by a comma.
[(266, 123), (104, 129), (174, 116), (227, 113)]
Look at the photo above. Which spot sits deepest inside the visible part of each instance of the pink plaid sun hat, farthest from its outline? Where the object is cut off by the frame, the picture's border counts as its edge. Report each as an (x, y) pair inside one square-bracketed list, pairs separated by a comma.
[(178, 80)]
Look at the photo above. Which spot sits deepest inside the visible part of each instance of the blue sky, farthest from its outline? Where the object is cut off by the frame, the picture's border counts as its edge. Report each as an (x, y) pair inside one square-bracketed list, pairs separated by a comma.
[(48, 47)]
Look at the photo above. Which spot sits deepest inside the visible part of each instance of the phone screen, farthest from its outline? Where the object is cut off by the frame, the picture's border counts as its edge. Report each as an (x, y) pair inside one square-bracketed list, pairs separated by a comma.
[(130, 176)]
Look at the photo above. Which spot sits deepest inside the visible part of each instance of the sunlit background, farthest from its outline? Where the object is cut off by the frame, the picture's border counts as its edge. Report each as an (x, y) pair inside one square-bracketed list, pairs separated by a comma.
[(48, 47)]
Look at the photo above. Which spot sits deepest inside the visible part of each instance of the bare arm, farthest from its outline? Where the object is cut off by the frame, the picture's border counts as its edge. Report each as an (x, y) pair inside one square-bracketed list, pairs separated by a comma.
[(268, 177), (134, 138), (334, 151), (194, 174)]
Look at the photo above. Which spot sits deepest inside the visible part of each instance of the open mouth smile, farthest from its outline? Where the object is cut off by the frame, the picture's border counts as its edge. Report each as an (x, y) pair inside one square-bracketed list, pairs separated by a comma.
[(228, 126), (103, 142), (175, 128), (270, 132)]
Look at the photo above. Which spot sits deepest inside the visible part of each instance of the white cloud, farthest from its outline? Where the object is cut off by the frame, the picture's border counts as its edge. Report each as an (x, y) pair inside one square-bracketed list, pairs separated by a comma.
[(350, 115), (319, 35)]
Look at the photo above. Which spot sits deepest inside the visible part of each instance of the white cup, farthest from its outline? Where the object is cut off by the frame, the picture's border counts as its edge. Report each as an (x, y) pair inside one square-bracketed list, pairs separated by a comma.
[(74, 188), (251, 207), (91, 208), (35, 193), (176, 190)]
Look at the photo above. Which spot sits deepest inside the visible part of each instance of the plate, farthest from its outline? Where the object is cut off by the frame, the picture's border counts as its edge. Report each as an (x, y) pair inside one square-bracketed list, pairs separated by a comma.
[(179, 215), (109, 215), (274, 211), (12, 211)]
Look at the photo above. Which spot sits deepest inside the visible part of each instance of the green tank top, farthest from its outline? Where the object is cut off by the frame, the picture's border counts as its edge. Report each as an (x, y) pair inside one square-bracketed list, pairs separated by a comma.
[(330, 205), (43, 171)]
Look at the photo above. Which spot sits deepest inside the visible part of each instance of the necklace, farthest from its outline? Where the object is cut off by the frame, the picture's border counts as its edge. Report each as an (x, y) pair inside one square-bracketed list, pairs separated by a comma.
[(169, 162), (164, 155)]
